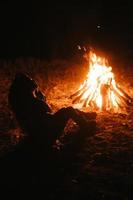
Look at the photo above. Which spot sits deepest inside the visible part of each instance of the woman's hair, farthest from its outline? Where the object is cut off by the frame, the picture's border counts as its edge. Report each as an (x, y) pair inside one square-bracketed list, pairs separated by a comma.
[(21, 87), (23, 81)]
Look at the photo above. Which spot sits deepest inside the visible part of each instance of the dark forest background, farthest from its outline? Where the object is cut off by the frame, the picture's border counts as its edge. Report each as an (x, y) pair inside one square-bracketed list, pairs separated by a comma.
[(52, 29)]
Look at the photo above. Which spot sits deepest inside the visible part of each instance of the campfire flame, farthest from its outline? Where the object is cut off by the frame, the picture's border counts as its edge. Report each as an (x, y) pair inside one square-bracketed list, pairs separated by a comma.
[(100, 91)]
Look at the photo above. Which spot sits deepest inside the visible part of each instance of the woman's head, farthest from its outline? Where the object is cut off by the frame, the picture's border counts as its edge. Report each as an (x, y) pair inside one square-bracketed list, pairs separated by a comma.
[(24, 82), (21, 90)]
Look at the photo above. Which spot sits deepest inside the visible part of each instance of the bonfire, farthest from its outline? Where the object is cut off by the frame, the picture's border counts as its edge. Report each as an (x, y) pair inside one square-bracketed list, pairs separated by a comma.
[(99, 91)]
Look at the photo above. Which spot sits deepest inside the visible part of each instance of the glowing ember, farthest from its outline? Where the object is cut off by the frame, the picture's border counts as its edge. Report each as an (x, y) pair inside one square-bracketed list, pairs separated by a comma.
[(100, 91)]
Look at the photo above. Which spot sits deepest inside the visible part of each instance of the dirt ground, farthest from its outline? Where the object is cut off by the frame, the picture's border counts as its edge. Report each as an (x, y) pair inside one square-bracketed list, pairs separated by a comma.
[(100, 168)]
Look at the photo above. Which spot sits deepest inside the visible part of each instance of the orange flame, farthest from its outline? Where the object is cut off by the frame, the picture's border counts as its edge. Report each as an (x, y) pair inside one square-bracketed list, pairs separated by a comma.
[(100, 90)]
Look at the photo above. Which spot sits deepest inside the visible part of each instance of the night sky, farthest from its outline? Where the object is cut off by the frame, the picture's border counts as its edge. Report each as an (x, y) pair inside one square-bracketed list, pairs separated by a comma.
[(54, 29)]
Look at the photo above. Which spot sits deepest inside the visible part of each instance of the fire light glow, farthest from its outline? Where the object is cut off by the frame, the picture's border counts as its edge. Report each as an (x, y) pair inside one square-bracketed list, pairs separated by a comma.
[(99, 91)]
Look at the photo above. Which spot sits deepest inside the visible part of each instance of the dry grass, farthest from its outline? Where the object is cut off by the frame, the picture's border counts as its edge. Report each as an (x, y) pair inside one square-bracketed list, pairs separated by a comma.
[(58, 79), (105, 163)]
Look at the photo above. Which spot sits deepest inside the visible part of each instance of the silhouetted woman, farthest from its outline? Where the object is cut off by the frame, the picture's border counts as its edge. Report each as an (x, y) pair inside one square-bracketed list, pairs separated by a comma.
[(35, 115)]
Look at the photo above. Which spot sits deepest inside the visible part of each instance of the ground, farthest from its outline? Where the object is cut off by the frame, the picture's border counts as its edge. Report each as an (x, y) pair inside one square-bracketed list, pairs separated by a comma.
[(101, 168)]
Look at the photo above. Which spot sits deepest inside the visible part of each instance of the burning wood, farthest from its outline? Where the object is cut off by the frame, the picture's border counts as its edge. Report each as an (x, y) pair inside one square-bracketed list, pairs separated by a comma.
[(100, 91)]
